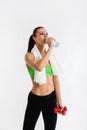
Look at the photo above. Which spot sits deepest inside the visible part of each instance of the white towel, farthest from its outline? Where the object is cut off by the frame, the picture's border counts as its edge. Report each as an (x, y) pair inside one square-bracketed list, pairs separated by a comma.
[(40, 76)]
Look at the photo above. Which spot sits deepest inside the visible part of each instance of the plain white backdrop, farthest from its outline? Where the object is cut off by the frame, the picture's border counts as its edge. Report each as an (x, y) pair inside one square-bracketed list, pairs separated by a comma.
[(67, 22)]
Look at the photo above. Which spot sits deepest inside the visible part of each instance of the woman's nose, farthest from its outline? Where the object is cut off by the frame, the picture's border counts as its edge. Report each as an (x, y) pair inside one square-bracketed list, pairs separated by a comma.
[(45, 36)]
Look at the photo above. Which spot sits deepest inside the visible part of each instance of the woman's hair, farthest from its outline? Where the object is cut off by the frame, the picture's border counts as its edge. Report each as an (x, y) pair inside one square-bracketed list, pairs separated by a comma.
[(31, 40)]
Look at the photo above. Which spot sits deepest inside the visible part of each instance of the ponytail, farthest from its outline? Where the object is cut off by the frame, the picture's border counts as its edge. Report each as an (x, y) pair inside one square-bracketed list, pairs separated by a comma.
[(30, 43)]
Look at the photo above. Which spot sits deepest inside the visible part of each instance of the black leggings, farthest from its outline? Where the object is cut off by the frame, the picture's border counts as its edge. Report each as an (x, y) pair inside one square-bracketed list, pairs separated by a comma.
[(35, 105)]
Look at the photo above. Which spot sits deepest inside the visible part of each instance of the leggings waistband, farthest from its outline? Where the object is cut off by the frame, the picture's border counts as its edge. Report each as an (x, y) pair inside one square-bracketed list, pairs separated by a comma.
[(52, 93)]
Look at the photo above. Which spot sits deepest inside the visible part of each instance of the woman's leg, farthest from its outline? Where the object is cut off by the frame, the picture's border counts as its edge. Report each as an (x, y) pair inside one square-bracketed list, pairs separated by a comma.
[(32, 112), (50, 118)]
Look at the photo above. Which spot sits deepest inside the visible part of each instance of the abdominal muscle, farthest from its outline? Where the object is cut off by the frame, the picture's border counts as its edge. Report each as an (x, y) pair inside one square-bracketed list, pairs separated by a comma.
[(45, 89)]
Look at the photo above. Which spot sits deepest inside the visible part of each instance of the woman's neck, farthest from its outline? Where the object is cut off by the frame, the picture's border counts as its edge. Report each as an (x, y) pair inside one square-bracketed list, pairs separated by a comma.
[(41, 49)]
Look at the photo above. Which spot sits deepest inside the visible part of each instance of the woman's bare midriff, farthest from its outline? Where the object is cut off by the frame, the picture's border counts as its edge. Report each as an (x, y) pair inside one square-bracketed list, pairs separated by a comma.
[(42, 90)]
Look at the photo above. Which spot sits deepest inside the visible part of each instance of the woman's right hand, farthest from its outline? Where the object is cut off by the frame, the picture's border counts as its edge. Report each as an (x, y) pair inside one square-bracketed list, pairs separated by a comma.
[(50, 42)]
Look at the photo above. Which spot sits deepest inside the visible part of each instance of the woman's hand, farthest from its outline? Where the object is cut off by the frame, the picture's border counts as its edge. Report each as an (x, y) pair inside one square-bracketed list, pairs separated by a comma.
[(50, 41), (59, 105)]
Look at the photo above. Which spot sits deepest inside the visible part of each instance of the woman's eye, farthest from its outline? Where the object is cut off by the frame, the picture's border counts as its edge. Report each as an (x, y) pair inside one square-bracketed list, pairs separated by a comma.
[(41, 33)]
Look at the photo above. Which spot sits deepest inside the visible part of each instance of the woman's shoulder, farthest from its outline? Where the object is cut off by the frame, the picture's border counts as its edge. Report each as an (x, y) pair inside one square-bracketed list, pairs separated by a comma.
[(29, 56)]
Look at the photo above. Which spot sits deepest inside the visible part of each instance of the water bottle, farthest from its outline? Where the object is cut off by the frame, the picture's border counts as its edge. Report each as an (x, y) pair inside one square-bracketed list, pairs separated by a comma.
[(55, 43)]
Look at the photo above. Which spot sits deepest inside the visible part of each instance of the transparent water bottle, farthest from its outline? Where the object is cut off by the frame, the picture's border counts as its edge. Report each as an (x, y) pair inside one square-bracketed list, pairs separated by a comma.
[(55, 43)]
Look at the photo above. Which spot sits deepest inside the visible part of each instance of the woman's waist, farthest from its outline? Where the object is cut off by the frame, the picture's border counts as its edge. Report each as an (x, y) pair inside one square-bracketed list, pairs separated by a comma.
[(42, 90)]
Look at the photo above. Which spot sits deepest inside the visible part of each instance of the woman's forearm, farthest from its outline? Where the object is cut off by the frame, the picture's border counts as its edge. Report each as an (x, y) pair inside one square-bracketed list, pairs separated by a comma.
[(58, 95), (43, 61), (58, 91)]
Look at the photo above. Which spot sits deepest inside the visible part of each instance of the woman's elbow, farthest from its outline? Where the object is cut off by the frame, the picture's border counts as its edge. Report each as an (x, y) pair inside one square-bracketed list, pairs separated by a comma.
[(39, 67)]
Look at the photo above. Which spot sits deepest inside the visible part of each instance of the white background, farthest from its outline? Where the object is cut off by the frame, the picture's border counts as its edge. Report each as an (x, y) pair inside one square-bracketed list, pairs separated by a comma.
[(67, 22)]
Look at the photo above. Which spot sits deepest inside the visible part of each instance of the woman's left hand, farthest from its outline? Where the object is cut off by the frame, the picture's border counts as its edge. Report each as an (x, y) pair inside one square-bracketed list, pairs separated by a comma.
[(60, 105)]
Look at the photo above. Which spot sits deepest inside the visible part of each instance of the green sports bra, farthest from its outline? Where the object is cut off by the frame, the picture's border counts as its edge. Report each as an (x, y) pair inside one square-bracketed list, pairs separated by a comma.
[(48, 70)]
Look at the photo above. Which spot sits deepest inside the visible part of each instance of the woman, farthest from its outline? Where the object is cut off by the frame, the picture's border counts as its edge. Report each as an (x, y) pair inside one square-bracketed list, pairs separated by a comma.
[(43, 97)]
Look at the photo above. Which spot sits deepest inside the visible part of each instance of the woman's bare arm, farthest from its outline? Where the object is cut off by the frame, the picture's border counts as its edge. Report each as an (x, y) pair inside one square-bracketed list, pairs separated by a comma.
[(40, 64), (57, 90)]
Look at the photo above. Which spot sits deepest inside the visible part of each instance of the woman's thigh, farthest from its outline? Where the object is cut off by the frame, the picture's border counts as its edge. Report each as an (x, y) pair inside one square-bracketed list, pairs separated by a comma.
[(32, 112), (50, 118)]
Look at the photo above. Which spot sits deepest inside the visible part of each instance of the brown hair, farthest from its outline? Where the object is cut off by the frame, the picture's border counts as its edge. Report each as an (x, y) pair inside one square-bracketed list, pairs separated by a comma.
[(31, 40)]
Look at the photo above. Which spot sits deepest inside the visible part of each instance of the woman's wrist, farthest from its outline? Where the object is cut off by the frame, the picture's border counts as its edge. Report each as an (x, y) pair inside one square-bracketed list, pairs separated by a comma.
[(59, 103), (51, 47)]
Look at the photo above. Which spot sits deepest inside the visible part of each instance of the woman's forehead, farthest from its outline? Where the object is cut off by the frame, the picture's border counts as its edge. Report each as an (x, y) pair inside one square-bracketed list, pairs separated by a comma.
[(42, 30)]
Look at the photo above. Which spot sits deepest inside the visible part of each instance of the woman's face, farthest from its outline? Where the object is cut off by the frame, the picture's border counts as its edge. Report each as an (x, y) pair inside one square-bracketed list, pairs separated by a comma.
[(40, 36)]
